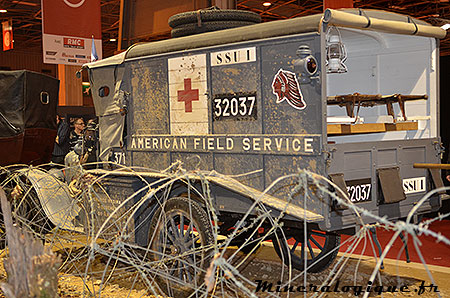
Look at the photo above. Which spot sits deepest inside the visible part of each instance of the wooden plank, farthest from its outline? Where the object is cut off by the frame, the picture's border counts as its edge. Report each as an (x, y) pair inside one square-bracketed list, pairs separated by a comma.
[(432, 166), (402, 126), (346, 129), (70, 88)]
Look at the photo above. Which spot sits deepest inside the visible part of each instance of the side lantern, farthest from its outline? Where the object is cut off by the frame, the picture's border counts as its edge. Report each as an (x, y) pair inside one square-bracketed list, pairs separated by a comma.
[(336, 53), (306, 66)]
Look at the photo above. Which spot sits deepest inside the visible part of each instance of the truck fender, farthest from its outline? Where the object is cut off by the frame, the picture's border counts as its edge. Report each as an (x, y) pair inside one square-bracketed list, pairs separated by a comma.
[(55, 199)]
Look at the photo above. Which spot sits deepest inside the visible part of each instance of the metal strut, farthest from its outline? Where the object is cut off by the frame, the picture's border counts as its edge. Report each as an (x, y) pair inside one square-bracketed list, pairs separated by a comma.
[(373, 231), (408, 260), (377, 243)]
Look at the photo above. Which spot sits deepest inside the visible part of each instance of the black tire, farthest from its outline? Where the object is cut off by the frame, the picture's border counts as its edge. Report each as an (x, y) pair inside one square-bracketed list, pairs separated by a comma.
[(193, 28), (180, 276), (327, 247), (213, 15)]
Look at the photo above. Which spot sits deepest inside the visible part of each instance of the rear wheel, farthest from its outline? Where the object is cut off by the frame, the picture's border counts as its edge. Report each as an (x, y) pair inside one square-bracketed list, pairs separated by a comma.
[(321, 248), (181, 240)]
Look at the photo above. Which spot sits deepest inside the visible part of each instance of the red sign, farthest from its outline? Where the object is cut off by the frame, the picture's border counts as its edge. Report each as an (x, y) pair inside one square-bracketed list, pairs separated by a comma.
[(188, 95), (79, 18), (7, 35), (75, 43), (68, 29)]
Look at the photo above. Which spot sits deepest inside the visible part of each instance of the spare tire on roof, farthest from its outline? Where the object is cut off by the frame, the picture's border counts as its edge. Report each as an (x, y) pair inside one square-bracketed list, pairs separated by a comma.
[(200, 21), (189, 29)]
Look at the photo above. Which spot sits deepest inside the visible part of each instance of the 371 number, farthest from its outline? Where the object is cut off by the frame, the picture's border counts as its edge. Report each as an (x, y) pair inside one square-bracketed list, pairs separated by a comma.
[(119, 157)]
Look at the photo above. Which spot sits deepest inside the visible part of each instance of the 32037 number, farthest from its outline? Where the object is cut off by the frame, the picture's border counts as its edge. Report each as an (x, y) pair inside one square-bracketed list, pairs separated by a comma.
[(235, 107), (359, 192)]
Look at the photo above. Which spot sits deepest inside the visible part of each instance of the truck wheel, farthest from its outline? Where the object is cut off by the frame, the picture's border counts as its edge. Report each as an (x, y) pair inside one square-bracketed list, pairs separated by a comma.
[(181, 240), (321, 248)]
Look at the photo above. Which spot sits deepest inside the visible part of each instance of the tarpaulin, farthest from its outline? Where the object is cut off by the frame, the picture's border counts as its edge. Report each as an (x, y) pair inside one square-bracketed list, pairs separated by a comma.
[(27, 100)]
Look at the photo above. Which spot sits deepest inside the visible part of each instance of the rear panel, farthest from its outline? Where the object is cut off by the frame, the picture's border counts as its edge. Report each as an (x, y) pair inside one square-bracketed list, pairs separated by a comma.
[(239, 109), (381, 63), (360, 164)]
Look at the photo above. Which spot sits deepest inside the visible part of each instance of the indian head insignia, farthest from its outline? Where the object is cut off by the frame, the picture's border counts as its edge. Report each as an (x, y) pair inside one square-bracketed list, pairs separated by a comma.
[(285, 86)]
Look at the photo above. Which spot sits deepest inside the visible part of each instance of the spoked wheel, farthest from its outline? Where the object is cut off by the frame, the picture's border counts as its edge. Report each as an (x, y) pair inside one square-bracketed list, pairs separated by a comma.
[(321, 248), (181, 239)]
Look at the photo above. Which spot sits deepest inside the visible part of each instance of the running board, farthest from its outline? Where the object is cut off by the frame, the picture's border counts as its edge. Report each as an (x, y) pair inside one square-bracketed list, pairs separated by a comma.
[(232, 185), (266, 199)]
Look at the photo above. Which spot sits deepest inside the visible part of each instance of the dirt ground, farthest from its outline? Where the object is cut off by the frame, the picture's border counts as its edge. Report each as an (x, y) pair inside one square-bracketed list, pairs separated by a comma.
[(396, 273), (264, 266)]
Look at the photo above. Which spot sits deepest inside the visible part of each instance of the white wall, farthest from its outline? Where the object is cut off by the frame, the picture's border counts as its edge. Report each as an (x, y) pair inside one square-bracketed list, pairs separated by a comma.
[(383, 63)]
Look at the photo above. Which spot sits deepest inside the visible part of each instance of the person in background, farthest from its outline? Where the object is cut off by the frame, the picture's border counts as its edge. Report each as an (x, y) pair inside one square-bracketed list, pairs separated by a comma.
[(77, 132), (91, 139), (61, 147)]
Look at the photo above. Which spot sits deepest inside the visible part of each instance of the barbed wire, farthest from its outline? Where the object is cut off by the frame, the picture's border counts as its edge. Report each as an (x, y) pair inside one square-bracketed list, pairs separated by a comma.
[(142, 232)]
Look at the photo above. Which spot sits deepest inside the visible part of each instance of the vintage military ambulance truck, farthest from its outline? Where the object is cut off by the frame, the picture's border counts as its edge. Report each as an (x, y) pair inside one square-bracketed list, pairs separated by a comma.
[(350, 95)]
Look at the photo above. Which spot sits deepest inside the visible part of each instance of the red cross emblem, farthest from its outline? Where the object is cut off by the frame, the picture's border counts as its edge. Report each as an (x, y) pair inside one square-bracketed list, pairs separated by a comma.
[(188, 95)]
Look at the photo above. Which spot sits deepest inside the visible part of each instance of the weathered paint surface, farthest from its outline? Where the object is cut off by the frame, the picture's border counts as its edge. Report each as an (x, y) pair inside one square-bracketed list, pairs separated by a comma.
[(238, 78), (149, 97), (156, 160), (247, 130), (252, 163), (290, 165)]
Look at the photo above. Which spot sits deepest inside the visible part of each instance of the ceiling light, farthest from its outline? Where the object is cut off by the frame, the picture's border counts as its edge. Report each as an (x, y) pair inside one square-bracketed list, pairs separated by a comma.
[(266, 4), (112, 39), (3, 11)]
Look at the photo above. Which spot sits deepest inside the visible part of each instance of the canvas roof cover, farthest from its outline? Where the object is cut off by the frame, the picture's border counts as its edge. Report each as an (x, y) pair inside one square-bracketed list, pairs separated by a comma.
[(353, 18)]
